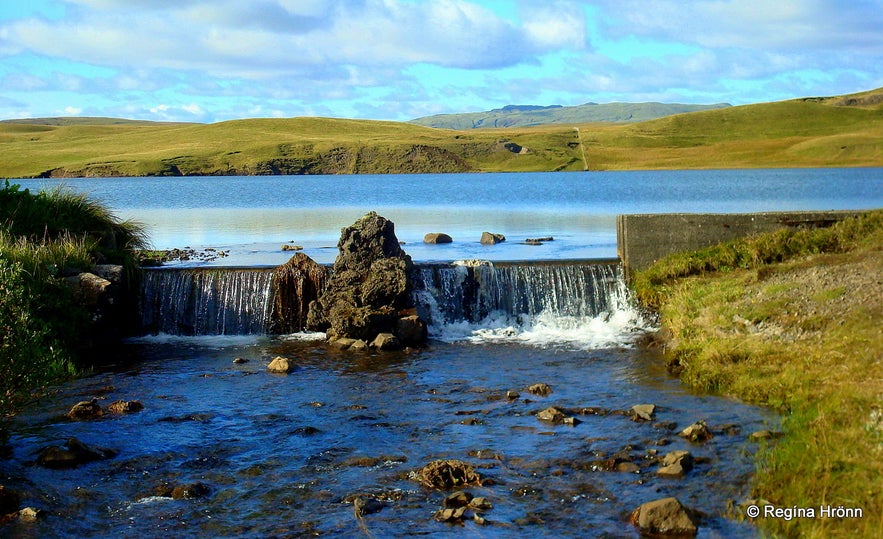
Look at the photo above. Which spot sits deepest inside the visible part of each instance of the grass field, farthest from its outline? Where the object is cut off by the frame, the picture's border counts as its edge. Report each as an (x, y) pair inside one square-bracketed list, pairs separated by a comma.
[(843, 131)]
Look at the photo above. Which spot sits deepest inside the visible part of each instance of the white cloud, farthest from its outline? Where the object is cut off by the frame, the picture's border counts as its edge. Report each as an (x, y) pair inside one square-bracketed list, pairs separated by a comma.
[(73, 111)]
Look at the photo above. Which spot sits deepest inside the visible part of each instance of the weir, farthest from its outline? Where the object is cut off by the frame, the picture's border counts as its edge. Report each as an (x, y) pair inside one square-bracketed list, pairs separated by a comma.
[(240, 301)]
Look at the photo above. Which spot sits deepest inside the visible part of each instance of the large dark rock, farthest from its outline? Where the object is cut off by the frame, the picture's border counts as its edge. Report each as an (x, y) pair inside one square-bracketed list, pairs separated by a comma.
[(298, 283), (369, 287), (665, 517)]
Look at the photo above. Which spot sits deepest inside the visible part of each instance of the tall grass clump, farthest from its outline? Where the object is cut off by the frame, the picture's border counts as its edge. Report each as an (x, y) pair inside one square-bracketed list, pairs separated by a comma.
[(44, 237)]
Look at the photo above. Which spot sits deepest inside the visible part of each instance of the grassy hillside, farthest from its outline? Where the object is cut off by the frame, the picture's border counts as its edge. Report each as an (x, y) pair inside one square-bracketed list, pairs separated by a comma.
[(810, 132), (526, 116)]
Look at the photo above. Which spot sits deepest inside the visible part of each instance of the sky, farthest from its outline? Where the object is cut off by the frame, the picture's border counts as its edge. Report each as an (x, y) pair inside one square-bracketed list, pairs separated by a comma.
[(216, 60)]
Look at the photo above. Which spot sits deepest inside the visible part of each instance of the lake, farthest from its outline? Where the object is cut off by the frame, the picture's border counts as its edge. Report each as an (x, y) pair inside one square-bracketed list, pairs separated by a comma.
[(253, 216)]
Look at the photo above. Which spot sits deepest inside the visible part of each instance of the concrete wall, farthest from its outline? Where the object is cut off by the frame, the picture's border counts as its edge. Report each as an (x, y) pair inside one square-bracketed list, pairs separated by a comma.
[(644, 238)]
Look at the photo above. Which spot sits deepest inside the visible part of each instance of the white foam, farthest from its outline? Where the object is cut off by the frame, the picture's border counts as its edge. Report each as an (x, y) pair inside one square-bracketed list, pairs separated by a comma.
[(610, 329)]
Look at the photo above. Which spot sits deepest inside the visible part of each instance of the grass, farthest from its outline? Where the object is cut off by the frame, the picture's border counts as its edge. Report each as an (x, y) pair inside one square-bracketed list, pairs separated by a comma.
[(797, 330), (44, 236), (841, 131)]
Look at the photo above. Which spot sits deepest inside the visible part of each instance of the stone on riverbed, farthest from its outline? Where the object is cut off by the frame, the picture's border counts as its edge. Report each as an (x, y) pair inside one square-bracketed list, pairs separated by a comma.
[(281, 365), (447, 474), (666, 517), (697, 432), (86, 410), (72, 455), (676, 464)]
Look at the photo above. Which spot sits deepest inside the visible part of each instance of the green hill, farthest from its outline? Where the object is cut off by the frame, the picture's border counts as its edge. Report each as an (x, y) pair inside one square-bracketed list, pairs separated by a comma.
[(529, 115), (808, 132)]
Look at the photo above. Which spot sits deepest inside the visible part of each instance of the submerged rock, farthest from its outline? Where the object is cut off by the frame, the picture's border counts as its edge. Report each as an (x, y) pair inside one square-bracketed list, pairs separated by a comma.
[(541, 389), (447, 474), (676, 464), (125, 407), (85, 410), (643, 412), (665, 517), (72, 455)]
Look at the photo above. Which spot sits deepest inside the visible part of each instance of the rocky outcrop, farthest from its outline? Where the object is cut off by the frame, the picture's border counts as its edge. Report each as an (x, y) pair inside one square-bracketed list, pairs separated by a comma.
[(369, 289), (73, 454), (298, 283)]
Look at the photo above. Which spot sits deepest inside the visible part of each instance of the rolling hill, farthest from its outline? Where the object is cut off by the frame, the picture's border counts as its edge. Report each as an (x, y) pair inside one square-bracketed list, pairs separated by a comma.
[(840, 131), (531, 115)]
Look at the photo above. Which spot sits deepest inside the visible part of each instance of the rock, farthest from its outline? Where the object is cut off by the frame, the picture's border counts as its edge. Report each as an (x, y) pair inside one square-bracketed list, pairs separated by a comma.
[(665, 517), (191, 491), (542, 390), (281, 365), (488, 238), (386, 341), (88, 288), (411, 330), (368, 286), (447, 474), (450, 515), (358, 344), (697, 432), (763, 435), (366, 506), (85, 410), (551, 415), (343, 343), (297, 283), (290, 247), (471, 263), (512, 395), (457, 499), (643, 412), (240, 361), (125, 407), (538, 241), (9, 501), (437, 237), (676, 464), (73, 455), (627, 467), (30, 514), (114, 273)]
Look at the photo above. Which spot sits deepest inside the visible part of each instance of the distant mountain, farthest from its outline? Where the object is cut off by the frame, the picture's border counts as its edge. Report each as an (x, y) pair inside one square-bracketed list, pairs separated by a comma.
[(81, 120), (529, 115)]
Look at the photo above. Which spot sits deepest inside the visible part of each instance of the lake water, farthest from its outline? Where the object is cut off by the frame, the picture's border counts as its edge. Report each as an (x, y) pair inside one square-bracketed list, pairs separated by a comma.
[(285, 455), (253, 216)]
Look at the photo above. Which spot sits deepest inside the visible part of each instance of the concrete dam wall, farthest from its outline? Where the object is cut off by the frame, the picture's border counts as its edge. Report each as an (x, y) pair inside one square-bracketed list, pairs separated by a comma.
[(645, 238)]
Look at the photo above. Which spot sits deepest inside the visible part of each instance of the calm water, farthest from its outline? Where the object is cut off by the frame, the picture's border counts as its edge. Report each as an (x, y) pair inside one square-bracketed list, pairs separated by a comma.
[(253, 216)]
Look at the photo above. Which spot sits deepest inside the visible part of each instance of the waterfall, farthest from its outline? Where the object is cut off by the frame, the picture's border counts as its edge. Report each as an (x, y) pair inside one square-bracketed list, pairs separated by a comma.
[(580, 302), (584, 303), (196, 301)]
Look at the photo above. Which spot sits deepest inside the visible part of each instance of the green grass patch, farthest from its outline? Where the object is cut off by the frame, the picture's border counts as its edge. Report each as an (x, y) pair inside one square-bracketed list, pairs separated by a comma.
[(767, 326)]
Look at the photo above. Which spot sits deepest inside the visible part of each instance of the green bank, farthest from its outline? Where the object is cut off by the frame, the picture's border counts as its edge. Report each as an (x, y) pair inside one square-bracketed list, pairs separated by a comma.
[(45, 331), (842, 131), (790, 320)]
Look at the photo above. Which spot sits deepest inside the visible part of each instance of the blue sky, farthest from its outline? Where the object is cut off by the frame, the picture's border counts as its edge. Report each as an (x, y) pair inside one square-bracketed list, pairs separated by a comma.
[(214, 60)]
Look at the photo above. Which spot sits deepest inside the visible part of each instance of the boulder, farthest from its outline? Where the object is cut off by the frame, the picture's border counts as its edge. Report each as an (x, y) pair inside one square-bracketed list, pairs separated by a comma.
[(281, 365), (85, 410), (642, 412), (190, 491), (369, 285), (298, 283), (676, 464), (411, 330), (88, 288), (665, 517), (541, 389), (489, 238), (30, 514), (697, 432), (125, 407), (551, 415), (386, 341), (72, 455), (437, 237)]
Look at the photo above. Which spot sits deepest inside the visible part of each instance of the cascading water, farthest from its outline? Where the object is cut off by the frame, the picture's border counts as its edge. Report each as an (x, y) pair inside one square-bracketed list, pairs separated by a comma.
[(197, 301), (581, 303)]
